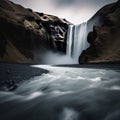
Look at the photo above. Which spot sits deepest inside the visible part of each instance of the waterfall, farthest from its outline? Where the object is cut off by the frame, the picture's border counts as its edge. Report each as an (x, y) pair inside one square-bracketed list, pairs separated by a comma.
[(76, 41)]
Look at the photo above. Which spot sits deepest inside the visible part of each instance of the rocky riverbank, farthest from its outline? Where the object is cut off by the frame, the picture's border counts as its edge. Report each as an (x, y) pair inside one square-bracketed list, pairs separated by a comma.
[(13, 74)]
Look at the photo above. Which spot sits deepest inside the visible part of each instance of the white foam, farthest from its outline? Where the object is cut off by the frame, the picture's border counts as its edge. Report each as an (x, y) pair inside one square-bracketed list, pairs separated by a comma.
[(57, 92), (97, 79), (35, 95), (69, 114), (114, 88)]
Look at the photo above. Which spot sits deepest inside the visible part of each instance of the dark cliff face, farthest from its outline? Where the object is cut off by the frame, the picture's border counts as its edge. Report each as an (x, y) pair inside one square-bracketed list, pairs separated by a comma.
[(104, 39), (26, 35)]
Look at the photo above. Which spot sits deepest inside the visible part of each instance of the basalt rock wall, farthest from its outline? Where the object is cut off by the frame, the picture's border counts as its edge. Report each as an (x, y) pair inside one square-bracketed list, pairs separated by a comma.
[(104, 39), (25, 35)]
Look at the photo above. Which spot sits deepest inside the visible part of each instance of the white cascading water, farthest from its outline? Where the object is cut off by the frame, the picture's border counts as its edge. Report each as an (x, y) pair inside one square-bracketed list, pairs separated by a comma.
[(76, 41)]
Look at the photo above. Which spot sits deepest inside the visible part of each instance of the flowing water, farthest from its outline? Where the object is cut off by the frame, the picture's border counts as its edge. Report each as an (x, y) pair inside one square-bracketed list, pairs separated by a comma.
[(65, 93), (76, 40)]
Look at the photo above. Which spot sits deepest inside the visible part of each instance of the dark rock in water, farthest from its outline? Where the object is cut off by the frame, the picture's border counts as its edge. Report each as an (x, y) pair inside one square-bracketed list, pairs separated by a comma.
[(104, 39), (44, 88), (13, 87), (25, 34)]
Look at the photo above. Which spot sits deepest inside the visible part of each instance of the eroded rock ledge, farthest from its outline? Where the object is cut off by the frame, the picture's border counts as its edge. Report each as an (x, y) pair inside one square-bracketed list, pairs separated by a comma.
[(26, 35)]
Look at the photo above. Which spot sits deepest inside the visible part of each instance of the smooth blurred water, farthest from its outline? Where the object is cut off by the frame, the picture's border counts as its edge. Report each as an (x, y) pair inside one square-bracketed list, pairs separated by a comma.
[(65, 93), (76, 41)]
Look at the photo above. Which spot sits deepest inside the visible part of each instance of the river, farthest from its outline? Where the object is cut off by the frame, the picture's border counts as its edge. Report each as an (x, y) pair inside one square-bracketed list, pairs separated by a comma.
[(65, 93)]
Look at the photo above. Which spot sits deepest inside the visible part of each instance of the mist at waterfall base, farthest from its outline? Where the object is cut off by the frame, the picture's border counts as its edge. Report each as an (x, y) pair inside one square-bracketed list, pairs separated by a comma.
[(52, 58), (76, 43)]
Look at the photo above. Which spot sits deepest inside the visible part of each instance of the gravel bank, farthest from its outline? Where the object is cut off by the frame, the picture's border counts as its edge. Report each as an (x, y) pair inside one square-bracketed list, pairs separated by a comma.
[(12, 74)]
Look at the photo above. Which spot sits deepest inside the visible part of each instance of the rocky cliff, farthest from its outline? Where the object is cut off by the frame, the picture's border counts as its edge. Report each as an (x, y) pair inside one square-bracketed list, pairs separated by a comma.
[(105, 38), (26, 35)]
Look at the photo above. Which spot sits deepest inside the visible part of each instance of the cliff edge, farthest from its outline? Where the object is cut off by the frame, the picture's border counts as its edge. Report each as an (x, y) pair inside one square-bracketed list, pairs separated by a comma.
[(104, 40), (26, 35)]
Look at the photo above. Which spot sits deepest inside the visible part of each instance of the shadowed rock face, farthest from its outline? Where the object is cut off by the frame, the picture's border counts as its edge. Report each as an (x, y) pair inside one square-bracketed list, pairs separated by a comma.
[(104, 39), (25, 35)]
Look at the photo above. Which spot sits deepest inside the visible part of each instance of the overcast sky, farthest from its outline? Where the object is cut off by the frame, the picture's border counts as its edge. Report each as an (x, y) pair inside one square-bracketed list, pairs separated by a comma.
[(76, 11)]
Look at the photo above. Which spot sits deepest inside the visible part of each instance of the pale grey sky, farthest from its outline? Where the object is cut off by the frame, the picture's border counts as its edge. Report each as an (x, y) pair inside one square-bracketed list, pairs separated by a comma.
[(76, 11)]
